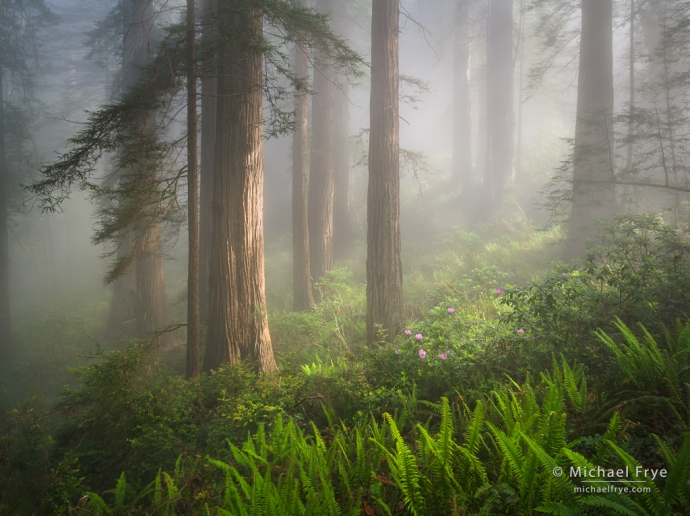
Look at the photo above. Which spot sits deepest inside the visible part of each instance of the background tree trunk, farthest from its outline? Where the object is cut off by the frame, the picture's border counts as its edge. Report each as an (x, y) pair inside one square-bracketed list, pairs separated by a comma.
[(593, 190), (631, 81), (238, 325), (151, 309), (301, 274), (499, 90), (462, 113), (208, 142), (193, 315), (322, 159), (123, 303), (6, 339), (384, 263), (343, 235), (521, 77), (144, 238)]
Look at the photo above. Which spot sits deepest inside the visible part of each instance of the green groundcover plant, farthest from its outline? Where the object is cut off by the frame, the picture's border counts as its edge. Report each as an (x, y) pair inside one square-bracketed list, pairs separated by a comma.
[(472, 410)]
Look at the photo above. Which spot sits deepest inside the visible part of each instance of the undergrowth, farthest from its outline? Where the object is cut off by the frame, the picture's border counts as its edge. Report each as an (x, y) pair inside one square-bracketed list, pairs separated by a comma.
[(508, 370)]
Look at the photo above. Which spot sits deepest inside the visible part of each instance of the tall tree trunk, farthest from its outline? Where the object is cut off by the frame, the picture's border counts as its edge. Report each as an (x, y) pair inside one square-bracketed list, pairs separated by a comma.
[(625, 191), (499, 77), (462, 111), (123, 304), (238, 325), (193, 315), (208, 143), (151, 309), (521, 77), (321, 174), (6, 339), (631, 100), (301, 274), (343, 235), (593, 190), (384, 263), (141, 293)]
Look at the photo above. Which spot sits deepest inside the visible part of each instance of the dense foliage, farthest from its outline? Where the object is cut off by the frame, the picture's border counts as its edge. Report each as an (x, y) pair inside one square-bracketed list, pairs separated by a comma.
[(470, 411)]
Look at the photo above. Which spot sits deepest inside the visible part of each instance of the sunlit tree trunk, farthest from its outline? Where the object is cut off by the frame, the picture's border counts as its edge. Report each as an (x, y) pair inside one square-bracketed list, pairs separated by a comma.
[(343, 235), (6, 339), (238, 325), (321, 169), (593, 190), (384, 263), (208, 142), (193, 315), (462, 112), (499, 169), (301, 275)]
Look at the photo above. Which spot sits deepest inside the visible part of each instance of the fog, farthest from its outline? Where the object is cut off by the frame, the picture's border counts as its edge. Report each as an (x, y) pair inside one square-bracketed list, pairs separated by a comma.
[(365, 168)]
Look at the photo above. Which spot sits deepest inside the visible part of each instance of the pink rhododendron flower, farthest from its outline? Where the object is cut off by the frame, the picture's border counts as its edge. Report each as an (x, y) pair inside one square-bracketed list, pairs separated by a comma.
[(422, 354), (499, 291), (565, 274), (451, 310), (443, 356), (397, 351), (521, 331), (408, 332), (418, 336)]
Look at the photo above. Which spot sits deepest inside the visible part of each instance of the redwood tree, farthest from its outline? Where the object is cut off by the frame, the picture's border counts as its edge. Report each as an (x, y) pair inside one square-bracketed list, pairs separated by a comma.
[(208, 142), (593, 190), (238, 325), (193, 315), (384, 263), (462, 115), (301, 274), (150, 302), (499, 169), (343, 235), (6, 339), (321, 179)]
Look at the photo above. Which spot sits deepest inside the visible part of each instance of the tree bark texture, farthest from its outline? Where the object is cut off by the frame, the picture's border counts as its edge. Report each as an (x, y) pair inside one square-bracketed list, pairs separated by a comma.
[(122, 308), (301, 274), (593, 190), (462, 114), (193, 314), (322, 161), (238, 325), (6, 338), (208, 143), (343, 235), (151, 308), (384, 263), (499, 89)]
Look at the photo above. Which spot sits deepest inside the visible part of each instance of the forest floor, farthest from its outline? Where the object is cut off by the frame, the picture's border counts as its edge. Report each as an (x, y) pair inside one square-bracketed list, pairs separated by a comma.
[(513, 366)]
